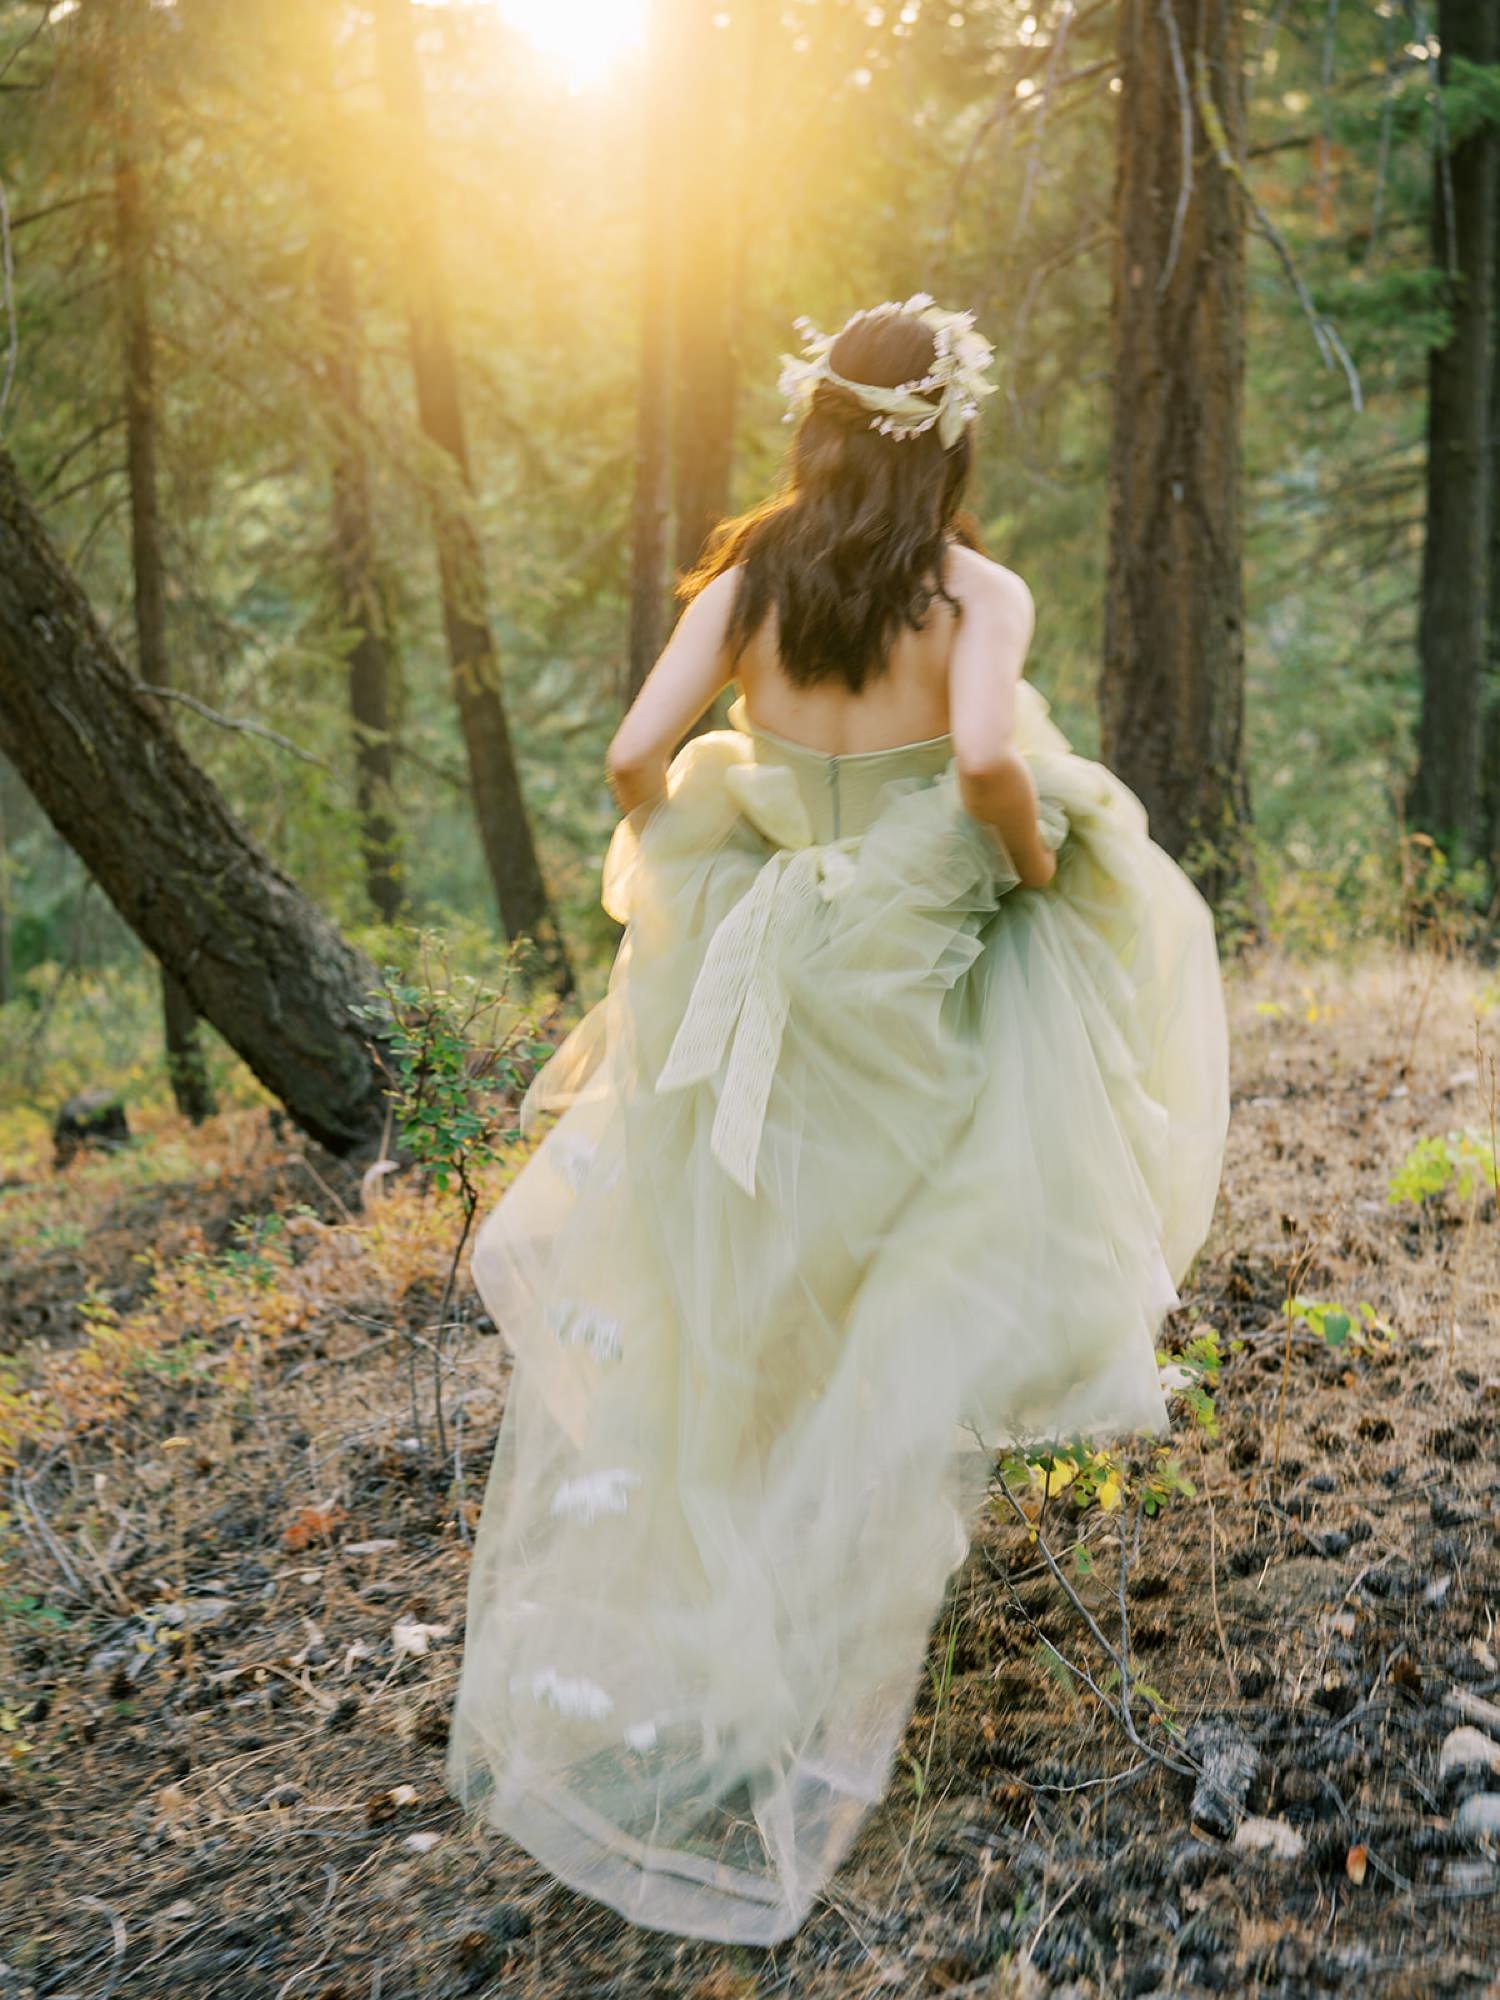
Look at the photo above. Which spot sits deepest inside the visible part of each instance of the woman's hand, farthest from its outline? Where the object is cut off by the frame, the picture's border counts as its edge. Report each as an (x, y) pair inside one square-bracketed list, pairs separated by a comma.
[(998, 789), (1039, 877)]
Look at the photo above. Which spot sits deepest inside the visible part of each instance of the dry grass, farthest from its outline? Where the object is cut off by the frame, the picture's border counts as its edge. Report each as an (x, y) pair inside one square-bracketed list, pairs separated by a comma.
[(231, 1814)]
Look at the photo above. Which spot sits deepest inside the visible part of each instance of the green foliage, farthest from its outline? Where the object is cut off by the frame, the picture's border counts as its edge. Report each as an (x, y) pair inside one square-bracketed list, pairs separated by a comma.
[(180, 1362), (898, 148), (259, 1248), (1406, 892), (29, 1614), (1357, 1327), (1200, 1360), (459, 1054), (1163, 1710), (1458, 1161), (1471, 99), (1092, 1477), (1164, 1482), (1079, 1468)]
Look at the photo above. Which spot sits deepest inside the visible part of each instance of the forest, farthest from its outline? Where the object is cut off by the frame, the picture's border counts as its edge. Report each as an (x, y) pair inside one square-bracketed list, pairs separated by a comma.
[(371, 371)]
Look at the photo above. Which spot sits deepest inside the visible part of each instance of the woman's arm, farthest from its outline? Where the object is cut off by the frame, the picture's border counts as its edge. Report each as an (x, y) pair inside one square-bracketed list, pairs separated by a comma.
[(996, 621), (693, 668)]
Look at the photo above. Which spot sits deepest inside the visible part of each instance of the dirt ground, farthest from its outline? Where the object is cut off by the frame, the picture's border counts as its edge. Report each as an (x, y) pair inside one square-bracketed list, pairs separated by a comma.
[(232, 1622)]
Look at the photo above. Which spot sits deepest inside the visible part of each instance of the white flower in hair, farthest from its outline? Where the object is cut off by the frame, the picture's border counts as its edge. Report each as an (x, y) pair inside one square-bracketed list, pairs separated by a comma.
[(958, 376)]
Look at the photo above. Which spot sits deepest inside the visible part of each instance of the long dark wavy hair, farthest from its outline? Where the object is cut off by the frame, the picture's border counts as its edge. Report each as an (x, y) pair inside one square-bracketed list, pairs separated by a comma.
[(850, 549)]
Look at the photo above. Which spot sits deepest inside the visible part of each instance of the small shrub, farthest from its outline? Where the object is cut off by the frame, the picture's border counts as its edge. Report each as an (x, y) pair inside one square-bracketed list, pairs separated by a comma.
[(1460, 1161), (1358, 1327)]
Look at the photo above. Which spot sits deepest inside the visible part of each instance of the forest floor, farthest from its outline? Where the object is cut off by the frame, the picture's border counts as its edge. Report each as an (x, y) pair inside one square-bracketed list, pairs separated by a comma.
[(232, 1574)]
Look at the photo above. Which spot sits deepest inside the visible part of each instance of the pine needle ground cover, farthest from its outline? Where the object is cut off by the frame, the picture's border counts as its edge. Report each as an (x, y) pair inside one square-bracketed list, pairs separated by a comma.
[(1191, 1721)]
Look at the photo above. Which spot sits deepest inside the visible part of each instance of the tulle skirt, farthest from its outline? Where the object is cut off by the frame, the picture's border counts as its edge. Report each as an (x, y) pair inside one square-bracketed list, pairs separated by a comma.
[(870, 1163)]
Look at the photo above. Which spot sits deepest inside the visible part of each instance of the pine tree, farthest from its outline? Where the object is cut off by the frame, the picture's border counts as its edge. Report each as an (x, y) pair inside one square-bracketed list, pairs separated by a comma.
[(1172, 688)]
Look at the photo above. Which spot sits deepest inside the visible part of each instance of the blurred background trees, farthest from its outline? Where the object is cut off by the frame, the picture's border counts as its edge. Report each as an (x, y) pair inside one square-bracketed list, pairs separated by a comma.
[(463, 320)]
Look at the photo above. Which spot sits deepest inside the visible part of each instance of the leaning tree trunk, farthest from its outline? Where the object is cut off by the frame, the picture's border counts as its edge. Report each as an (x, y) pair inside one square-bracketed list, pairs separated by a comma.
[(650, 523), (494, 778), (1172, 690), (187, 1066), (256, 959), (373, 665), (1446, 795)]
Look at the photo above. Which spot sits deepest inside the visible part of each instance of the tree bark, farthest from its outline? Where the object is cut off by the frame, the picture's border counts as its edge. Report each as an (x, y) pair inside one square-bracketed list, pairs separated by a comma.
[(708, 242), (499, 805), (373, 664), (1172, 691), (7, 989), (1491, 754), (187, 1066), (254, 957), (361, 596), (1446, 793), (650, 524)]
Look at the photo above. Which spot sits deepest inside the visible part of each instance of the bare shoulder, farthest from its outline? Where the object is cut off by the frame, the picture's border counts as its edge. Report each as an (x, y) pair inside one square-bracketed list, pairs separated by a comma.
[(979, 583), (717, 595)]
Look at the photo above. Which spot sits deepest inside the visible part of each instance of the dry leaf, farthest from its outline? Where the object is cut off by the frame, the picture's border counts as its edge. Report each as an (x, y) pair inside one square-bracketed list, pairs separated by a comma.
[(311, 1524), (411, 1639)]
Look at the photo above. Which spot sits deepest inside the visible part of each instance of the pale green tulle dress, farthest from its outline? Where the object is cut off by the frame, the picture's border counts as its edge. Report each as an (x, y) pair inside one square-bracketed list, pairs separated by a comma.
[(870, 1162)]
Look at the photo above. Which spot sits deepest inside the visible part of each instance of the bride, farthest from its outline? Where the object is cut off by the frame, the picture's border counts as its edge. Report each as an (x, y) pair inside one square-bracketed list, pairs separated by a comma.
[(902, 1116)]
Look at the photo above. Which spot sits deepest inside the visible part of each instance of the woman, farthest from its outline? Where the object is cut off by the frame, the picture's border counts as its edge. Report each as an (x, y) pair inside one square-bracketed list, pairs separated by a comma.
[(902, 1116)]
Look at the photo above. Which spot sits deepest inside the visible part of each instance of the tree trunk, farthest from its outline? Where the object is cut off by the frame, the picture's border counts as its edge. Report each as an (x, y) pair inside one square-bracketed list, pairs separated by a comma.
[(494, 779), (254, 957), (1172, 691), (1446, 793), (1491, 776), (361, 597), (373, 666), (650, 616), (7, 989), (708, 241), (187, 1067)]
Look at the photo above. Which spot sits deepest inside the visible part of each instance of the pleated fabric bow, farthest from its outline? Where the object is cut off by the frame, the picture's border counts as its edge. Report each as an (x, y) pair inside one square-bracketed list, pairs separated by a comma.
[(737, 1011)]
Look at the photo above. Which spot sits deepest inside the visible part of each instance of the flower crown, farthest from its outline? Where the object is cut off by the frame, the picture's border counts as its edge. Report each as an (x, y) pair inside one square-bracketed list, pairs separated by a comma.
[(960, 359)]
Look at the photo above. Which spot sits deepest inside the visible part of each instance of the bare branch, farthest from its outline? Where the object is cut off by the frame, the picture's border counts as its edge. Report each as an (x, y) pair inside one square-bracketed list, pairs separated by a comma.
[(1048, 86), (7, 303), (1325, 334), (78, 446), (1119, 1660), (1325, 99), (58, 208), (237, 723), (1383, 155), (44, 14), (1185, 184)]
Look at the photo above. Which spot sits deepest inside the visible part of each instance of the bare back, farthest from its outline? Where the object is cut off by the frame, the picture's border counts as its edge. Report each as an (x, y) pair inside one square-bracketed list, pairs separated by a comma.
[(955, 679), (907, 703)]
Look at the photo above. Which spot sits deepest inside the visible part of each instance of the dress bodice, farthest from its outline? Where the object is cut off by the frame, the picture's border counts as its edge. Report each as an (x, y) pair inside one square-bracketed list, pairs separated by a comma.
[(842, 790)]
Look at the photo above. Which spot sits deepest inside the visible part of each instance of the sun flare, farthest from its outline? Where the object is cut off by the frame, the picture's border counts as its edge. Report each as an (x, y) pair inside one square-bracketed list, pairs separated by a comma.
[(585, 38)]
